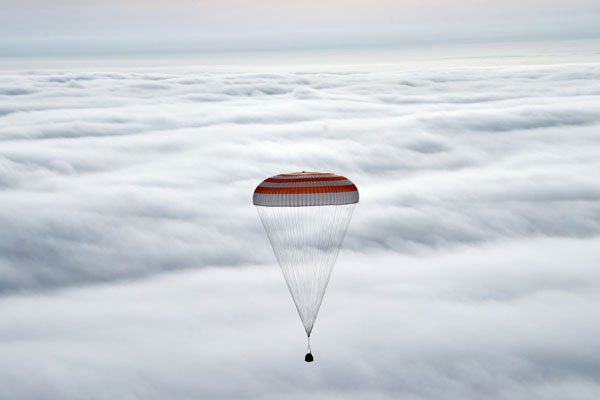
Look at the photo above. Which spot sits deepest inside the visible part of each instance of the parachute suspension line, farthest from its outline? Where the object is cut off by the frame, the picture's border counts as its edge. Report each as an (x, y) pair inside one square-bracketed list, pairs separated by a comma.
[(306, 243)]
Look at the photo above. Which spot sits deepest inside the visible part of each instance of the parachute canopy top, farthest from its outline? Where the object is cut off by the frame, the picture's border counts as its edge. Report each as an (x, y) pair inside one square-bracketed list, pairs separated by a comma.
[(305, 189)]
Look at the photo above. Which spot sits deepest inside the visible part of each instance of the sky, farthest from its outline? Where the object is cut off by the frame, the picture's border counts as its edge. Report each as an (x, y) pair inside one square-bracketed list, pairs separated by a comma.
[(36, 27), (133, 264)]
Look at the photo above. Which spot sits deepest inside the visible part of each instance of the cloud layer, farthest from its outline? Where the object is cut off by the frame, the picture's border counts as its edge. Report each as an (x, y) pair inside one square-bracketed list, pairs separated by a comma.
[(133, 264), (114, 175), (504, 321)]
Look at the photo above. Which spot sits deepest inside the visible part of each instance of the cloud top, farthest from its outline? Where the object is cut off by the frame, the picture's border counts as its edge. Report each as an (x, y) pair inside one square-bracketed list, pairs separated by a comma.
[(114, 175)]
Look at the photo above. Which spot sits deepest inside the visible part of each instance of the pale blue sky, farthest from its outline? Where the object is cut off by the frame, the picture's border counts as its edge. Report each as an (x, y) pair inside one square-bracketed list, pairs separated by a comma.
[(68, 26)]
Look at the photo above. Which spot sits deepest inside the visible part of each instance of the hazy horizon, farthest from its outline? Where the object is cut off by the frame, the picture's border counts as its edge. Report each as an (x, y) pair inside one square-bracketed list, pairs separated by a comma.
[(115, 27)]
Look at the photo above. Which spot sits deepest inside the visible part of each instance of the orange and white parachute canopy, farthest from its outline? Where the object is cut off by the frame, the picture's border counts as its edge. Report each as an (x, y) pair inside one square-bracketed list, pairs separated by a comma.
[(305, 189)]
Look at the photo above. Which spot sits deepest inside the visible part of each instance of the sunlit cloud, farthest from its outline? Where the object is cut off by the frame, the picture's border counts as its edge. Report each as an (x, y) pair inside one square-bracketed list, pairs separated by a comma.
[(115, 175), (134, 265)]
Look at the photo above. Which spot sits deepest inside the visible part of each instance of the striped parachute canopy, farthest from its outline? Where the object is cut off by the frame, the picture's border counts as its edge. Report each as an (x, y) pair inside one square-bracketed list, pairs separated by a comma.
[(306, 215)]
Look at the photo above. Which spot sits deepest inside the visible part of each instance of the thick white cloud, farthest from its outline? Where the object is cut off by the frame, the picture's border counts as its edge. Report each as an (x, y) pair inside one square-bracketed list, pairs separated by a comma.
[(506, 320), (113, 175), (469, 268)]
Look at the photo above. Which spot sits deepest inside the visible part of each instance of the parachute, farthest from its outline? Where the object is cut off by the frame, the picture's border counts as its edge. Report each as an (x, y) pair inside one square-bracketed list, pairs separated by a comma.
[(306, 215)]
